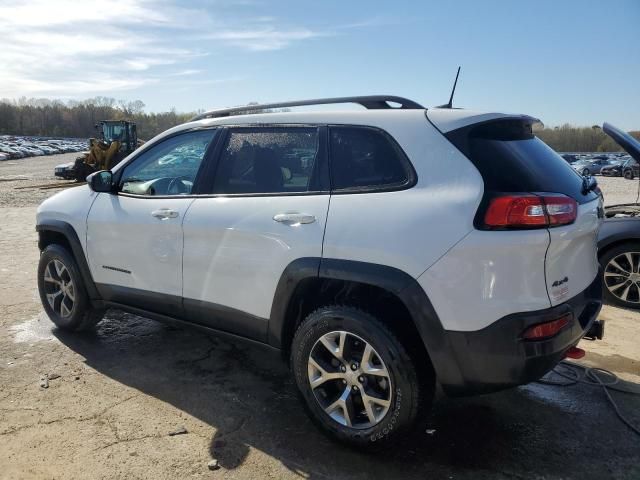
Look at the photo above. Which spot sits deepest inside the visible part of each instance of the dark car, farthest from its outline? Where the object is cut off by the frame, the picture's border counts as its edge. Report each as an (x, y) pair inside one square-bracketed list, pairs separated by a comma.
[(616, 168), (619, 238), (631, 169)]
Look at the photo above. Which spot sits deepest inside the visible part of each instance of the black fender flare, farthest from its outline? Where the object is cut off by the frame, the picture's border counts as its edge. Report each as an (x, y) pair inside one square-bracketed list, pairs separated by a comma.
[(65, 229), (401, 284)]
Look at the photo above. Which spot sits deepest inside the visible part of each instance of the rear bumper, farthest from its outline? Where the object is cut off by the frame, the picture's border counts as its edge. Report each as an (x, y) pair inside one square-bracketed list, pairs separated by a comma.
[(497, 357)]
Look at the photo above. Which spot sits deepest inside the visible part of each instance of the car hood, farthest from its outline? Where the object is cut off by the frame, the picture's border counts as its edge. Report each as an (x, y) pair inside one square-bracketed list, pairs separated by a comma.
[(622, 138)]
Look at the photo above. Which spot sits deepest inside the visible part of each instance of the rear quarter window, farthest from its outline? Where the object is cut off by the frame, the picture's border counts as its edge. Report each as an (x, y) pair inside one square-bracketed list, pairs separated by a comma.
[(367, 159)]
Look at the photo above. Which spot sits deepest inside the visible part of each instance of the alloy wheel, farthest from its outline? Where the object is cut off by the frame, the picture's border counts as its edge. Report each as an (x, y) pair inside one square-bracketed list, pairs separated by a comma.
[(59, 288), (349, 380), (622, 277)]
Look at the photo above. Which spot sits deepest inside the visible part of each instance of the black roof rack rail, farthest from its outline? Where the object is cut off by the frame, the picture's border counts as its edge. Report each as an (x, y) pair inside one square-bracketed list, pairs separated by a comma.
[(371, 102)]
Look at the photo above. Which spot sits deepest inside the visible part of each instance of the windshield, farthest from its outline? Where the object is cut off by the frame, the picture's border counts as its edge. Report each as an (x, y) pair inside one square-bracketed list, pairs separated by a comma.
[(114, 131)]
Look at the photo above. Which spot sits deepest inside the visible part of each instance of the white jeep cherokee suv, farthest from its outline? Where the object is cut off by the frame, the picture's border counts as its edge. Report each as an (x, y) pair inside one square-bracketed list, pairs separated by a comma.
[(382, 251)]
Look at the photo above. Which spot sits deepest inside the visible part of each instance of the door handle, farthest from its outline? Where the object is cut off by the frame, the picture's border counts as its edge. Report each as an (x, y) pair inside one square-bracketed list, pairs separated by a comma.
[(294, 218), (164, 213)]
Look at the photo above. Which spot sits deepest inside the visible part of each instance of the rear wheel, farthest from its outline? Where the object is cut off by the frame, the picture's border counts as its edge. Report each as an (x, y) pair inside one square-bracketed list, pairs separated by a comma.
[(359, 383), (62, 291), (585, 172), (628, 174), (621, 275)]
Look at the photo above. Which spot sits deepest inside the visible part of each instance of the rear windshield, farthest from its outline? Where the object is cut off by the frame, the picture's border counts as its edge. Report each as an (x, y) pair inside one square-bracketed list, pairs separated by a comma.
[(511, 159)]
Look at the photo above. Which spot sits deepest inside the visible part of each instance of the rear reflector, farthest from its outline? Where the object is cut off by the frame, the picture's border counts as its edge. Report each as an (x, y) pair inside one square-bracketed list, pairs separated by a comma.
[(530, 211), (547, 329)]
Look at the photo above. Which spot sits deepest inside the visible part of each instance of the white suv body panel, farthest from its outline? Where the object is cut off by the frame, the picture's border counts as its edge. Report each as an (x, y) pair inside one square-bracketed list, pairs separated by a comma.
[(409, 229), (487, 276), (235, 253), (129, 247), (446, 119), (572, 261), (71, 206)]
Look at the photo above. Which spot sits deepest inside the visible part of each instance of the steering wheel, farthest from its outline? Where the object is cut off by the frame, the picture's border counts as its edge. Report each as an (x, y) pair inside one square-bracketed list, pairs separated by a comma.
[(179, 186)]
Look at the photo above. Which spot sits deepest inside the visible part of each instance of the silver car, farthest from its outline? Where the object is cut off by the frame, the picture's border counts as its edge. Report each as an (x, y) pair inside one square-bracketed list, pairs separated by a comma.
[(591, 167)]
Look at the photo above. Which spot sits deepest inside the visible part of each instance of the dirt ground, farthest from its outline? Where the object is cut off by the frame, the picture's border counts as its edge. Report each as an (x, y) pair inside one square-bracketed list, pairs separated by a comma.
[(116, 395)]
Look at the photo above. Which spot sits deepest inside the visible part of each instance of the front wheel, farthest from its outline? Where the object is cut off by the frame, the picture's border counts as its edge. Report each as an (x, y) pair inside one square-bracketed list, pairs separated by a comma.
[(358, 381), (62, 291), (628, 174), (585, 172)]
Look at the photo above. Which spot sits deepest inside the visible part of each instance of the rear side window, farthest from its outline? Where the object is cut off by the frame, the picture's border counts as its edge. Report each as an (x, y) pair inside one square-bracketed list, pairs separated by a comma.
[(364, 158), (511, 159), (268, 160)]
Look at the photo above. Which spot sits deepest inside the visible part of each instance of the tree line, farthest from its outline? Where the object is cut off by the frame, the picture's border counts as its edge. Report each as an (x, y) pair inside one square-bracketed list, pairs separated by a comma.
[(569, 138), (54, 118)]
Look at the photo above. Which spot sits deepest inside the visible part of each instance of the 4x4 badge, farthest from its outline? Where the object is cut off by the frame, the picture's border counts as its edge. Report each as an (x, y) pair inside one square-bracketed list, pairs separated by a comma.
[(557, 283)]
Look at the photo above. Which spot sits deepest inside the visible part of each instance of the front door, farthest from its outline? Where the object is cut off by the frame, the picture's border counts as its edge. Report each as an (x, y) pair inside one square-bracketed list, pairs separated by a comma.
[(268, 207), (134, 236)]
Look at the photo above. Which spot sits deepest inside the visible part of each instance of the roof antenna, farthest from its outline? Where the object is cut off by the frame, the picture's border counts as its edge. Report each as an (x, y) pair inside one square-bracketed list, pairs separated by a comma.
[(450, 104)]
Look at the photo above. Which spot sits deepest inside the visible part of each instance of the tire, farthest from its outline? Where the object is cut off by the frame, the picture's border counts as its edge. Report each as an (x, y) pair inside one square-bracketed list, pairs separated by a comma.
[(59, 279), (408, 387), (628, 174), (585, 172), (615, 281)]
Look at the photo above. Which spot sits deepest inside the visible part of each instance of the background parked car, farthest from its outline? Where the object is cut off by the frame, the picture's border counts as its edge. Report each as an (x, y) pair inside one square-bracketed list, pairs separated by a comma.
[(592, 167), (19, 147), (631, 169), (619, 238), (616, 168)]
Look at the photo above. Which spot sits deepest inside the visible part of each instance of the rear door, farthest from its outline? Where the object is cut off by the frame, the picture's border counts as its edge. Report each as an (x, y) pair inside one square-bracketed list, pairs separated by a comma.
[(511, 159), (267, 207)]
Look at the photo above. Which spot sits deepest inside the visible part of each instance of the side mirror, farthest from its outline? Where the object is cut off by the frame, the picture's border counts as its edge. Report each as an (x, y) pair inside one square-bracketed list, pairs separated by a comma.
[(101, 181)]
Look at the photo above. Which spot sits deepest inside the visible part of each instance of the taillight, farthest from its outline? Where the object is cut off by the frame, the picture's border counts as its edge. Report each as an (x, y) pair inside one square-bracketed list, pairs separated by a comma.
[(527, 210), (547, 329)]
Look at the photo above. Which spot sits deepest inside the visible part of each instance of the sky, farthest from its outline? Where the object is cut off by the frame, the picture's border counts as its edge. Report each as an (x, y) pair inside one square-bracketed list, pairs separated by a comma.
[(562, 61)]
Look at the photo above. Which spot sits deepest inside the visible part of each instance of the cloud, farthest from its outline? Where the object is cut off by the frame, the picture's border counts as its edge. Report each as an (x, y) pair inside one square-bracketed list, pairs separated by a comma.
[(62, 47), (70, 48), (263, 39)]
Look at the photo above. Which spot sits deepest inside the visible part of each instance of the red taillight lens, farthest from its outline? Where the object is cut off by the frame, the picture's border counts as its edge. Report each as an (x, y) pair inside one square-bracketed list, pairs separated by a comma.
[(515, 211), (547, 329), (530, 211), (561, 209)]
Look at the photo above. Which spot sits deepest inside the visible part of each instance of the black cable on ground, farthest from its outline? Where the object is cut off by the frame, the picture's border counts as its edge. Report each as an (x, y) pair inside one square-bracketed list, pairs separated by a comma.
[(595, 377)]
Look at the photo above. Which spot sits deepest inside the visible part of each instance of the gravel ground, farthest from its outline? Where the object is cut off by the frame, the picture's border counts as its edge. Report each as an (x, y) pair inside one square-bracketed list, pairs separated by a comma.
[(115, 396), (618, 190), (27, 172)]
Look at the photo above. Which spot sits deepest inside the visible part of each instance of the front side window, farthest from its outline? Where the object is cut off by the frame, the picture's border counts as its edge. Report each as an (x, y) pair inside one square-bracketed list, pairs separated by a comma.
[(168, 168), (268, 160), (366, 158)]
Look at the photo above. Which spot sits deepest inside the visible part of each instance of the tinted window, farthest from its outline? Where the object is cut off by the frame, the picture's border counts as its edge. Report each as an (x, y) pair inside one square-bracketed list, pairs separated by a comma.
[(268, 160), (511, 159), (168, 168), (365, 158)]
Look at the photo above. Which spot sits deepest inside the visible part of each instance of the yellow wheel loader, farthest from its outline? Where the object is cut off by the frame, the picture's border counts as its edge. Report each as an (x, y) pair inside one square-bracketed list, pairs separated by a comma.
[(116, 139)]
